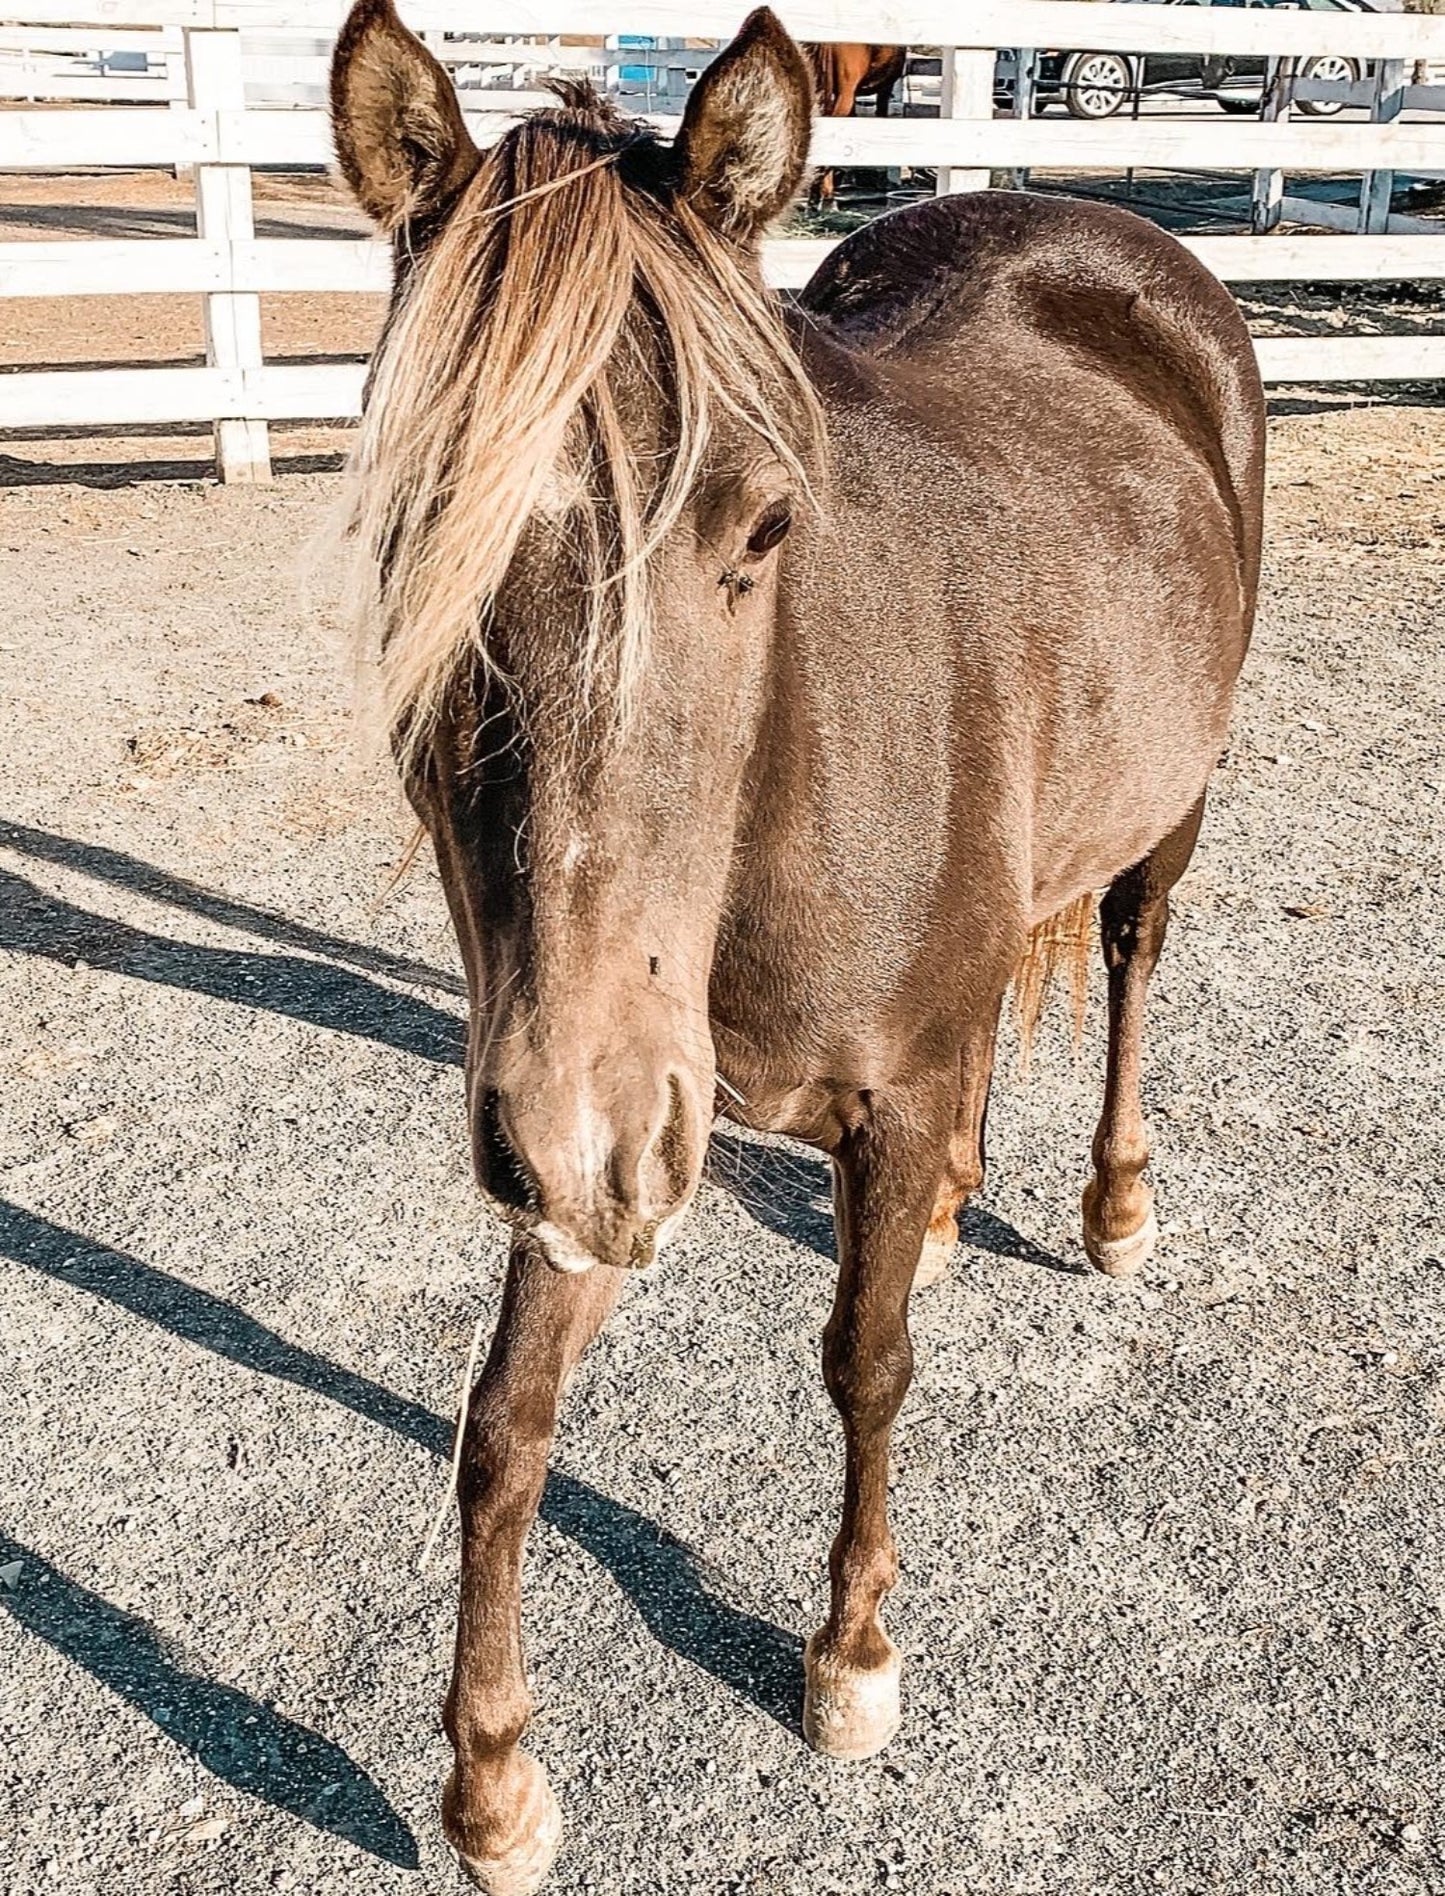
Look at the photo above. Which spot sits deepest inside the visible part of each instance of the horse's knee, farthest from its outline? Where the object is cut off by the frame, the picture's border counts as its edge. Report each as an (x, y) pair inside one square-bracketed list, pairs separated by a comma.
[(867, 1380)]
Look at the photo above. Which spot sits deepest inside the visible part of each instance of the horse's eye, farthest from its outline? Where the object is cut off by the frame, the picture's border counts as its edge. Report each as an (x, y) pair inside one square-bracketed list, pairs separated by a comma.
[(770, 529)]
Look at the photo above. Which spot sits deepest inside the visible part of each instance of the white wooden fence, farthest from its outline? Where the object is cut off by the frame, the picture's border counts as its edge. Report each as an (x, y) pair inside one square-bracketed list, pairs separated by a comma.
[(210, 118)]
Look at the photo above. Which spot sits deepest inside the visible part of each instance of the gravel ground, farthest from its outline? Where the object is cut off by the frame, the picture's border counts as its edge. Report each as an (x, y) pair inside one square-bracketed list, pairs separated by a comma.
[(1173, 1577)]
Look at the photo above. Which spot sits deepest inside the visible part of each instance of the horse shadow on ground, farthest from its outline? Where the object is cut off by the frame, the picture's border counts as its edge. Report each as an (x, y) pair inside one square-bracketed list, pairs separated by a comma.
[(791, 1193), (659, 1573)]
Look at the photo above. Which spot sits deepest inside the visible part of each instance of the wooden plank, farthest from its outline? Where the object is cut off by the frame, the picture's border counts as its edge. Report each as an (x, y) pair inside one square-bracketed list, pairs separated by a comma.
[(990, 23), (99, 88), (1291, 259), (328, 391), (1303, 145), (141, 266), (1351, 358), (1167, 144), (332, 391), (131, 266), (1267, 189), (134, 136), (1377, 187), (84, 398), (84, 41), (278, 265), (1346, 217), (122, 135)]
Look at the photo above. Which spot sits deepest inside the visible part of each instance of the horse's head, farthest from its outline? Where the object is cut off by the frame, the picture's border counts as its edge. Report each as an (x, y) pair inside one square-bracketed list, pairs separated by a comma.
[(586, 439)]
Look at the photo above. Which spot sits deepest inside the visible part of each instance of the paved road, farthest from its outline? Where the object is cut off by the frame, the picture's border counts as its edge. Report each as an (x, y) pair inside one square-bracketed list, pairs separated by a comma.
[(1173, 1576)]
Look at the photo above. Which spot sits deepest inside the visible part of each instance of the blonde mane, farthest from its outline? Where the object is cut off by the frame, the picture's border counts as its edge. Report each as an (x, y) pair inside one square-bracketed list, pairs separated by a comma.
[(496, 383)]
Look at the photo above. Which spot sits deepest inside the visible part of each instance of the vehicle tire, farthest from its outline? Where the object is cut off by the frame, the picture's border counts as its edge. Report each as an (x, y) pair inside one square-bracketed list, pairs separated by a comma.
[(1097, 85), (1327, 66)]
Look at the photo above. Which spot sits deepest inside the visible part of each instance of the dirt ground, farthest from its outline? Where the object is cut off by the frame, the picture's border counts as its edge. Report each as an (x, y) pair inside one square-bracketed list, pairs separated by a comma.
[(1173, 1587)]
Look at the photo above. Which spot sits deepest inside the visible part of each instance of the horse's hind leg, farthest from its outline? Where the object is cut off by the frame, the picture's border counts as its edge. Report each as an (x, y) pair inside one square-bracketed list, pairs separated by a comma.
[(498, 1810), (1119, 1224), (966, 1160)]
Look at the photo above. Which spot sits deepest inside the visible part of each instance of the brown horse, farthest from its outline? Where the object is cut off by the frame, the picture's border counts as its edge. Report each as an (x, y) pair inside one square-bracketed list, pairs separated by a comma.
[(765, 681), (842, 74)]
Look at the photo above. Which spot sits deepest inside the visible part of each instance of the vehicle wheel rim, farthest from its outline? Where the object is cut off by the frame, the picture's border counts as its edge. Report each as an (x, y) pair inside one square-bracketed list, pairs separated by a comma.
[(1099, 84), (1332, 66)]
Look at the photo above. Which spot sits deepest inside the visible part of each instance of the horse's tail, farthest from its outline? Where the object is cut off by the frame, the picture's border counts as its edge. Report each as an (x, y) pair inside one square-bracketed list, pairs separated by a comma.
[(1058, 946)]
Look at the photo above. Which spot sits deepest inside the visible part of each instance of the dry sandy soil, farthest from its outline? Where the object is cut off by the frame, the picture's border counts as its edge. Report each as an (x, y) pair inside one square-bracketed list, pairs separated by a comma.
[(1173, 1595)]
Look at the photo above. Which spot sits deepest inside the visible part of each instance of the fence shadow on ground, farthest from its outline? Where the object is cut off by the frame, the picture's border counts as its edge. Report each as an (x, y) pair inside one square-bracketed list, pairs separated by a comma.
[(17, 472), (34, 922), (660, 1574), (239, 1739), (328, 219), (791, 1194), (160, 885)]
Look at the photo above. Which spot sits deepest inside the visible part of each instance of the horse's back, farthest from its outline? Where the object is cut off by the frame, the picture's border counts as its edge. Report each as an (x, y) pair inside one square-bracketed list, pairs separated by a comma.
[(1023, 294)]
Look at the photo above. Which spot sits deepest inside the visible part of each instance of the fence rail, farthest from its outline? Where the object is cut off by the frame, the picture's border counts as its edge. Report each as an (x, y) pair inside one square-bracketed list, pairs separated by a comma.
[(215, 56)]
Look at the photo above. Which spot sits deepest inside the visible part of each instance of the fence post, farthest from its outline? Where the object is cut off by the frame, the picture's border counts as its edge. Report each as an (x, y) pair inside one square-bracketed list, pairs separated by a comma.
[(967, 94), (224, 216), (173, 57), (1377, 186), (1025, 73), (1267, 197)]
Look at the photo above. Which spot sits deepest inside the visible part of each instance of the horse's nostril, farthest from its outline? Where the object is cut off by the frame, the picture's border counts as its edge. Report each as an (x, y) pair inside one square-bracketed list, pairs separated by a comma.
[(504, 1172), (670, 1146)]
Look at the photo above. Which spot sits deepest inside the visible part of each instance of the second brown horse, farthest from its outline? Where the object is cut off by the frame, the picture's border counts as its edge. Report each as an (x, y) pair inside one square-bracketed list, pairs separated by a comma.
[(842, 74)]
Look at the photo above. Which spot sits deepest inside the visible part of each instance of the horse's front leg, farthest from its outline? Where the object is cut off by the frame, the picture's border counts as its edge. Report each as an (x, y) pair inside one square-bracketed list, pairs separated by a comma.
[(887, 1173), (498, 1809)]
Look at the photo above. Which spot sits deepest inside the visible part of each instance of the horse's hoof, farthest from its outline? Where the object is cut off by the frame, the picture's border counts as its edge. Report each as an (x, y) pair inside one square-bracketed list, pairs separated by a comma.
[(520, 1866), (933, 1262), (1123, 1257), (847, 1712)]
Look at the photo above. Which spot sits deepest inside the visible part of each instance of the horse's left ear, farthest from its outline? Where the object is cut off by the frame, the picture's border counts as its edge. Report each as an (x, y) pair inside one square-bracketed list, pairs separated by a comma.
[(743, 142)]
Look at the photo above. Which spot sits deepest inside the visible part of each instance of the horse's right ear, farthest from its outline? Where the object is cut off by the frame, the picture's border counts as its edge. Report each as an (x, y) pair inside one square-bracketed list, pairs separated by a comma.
[(743, 141), (400, 138)]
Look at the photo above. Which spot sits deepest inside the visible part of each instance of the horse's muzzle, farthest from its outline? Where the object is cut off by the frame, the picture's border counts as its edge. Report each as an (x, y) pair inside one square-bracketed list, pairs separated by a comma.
[(591, 1187)]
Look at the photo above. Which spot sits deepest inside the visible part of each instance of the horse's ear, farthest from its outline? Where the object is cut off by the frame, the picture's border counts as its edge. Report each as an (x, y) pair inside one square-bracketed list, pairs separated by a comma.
[(743, 142), (400, 138)]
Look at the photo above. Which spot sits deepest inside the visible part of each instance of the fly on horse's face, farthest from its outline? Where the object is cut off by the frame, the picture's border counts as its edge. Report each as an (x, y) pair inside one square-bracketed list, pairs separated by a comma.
[(587, 442)]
